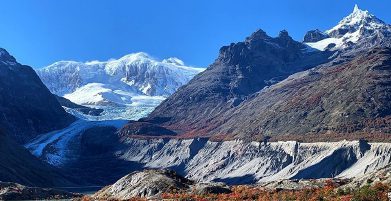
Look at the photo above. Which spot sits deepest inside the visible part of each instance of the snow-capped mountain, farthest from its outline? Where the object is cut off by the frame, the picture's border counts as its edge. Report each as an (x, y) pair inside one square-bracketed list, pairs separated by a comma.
[(135, 80), (360, 29)]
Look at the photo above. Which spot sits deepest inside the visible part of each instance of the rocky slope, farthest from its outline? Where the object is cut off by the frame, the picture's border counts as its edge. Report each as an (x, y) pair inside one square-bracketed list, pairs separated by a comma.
[(240, 70), (344, 99), (23, 113), (133, 81)]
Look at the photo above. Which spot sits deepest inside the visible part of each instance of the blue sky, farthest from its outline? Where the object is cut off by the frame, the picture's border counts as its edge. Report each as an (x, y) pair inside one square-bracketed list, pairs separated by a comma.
[(38, 34)]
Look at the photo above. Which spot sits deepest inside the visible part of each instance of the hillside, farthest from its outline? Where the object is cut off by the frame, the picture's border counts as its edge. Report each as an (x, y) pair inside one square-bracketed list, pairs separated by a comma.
[(344, 99), (18, 165), (23, 113)]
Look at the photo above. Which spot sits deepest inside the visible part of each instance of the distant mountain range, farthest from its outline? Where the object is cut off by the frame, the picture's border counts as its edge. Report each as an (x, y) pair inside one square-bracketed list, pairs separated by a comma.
[(133, 81)]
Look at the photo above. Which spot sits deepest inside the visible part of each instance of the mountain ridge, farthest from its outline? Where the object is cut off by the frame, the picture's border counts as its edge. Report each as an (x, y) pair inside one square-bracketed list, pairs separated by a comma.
[(193, 111), (23, 113), (240, 70)]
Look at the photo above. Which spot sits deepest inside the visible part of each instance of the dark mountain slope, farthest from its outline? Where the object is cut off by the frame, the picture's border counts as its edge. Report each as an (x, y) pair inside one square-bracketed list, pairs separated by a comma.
[(27, 108), (18, 165), (240, 70), (352, 97)]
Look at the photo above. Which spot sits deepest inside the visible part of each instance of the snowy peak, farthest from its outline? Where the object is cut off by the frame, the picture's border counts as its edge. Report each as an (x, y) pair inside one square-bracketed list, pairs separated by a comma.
[(134, 80), (360, 29), (358, 19), (136, 71)]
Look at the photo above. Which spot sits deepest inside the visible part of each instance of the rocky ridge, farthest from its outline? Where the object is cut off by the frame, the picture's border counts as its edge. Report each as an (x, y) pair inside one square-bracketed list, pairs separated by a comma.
[(241, 70)]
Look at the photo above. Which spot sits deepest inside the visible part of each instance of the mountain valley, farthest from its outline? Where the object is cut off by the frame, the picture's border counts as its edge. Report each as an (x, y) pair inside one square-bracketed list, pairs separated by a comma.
[(271, 115)]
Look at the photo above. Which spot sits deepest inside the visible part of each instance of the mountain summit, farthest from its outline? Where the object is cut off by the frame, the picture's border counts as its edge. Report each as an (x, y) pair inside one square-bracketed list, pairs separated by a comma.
[(360, 29)]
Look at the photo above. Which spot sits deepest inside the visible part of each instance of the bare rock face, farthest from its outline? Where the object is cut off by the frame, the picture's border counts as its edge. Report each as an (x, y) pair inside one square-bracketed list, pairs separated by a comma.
[(148, 183), (14, 191), (314, 36), (27, 108)]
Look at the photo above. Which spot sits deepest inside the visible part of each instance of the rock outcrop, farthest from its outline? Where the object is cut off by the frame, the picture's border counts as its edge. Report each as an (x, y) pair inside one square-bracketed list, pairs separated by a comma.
[(314, 36), (14, 191), (152, 184), (148, 183)]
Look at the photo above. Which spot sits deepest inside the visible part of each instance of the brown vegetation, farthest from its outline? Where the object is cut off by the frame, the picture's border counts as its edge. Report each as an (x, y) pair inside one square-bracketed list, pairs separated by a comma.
[(330, 192)]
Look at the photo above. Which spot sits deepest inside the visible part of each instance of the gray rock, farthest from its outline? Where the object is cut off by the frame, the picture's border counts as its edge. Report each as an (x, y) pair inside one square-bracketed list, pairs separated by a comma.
[(210, 188), (148, 183), (314, 36)]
